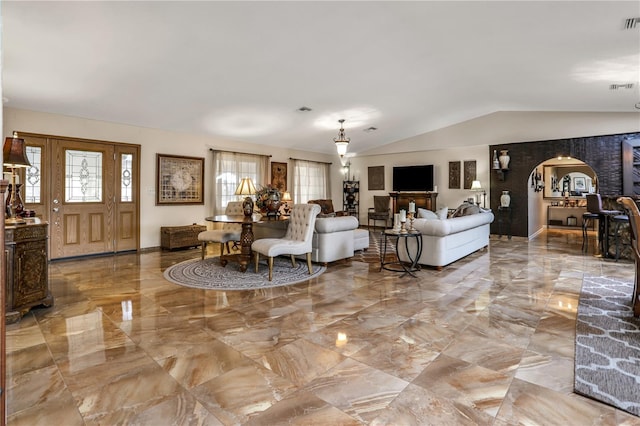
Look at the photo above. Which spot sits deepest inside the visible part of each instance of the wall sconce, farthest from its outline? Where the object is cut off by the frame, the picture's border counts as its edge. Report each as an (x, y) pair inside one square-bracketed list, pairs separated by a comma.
[(346, 170), (501, 163), (477, 188)]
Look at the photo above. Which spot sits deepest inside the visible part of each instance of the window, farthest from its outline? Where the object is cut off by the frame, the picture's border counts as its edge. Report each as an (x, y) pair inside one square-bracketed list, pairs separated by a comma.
[(33, 187), (229, 168), (83, 176), (310, 181), (126, 178)]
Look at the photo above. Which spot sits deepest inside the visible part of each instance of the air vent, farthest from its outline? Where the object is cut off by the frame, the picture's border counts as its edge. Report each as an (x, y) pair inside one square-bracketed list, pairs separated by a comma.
[(631, 23), (621, 86)]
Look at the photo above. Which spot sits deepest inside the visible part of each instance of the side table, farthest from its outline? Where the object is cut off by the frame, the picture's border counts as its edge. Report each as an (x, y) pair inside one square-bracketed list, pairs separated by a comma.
[(505, 217), (397, 265)]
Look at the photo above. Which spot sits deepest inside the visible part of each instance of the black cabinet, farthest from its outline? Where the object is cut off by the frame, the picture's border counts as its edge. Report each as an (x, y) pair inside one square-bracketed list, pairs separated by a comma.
[(351, 197)]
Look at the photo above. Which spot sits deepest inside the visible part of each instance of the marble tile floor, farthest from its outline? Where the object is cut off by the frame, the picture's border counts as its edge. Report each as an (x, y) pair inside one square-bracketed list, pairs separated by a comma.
[(487, 340)]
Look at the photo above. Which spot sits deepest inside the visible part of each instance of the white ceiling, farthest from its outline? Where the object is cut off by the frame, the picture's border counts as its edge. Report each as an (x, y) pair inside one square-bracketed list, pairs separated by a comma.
[(240, 70)]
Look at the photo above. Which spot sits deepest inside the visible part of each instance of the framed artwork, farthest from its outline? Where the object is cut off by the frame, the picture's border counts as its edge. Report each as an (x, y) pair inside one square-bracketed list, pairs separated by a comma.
[(376, 178), (179, 180), (454, 175), (579, 184), (279, 176), (469, 173)]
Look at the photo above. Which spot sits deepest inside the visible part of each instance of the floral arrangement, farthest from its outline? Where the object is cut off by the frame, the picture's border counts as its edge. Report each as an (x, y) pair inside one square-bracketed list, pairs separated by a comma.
[(264, 193)]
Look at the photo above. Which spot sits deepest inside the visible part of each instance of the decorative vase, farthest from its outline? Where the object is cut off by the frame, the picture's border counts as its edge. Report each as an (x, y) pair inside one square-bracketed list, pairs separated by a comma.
[(505, 199), (14, 204), (504, 159), (273, 203), (496, 162)]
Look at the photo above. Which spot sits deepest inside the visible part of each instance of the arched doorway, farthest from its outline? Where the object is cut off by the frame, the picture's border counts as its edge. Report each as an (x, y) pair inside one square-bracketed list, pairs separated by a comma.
[(557, 192)]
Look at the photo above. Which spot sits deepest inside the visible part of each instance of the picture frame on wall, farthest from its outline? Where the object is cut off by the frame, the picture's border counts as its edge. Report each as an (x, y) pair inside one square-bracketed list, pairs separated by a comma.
[(579, 184), (376, 178), (469, 173), (279, 176), (179, 180), (454, 175)]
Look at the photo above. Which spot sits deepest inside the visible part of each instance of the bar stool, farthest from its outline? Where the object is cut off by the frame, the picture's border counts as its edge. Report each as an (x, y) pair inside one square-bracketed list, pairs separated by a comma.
[(594, 205), (618, 220), (587, 218)]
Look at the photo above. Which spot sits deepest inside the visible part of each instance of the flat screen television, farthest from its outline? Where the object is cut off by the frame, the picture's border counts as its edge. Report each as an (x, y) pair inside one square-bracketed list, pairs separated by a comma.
[(413, 178)]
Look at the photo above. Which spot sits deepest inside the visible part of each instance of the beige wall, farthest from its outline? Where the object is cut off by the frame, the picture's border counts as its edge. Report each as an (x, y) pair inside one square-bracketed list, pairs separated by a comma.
[(464, 141), (470, 141), (152, 141)]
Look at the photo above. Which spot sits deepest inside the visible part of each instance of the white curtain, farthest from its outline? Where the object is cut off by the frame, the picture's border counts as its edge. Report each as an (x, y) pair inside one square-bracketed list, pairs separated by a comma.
[(310, 181), (229, 168)]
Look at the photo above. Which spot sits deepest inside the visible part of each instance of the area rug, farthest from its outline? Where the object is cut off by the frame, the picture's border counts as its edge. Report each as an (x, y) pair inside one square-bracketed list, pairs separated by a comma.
[(607, 361), (372, 254), (208, 274)]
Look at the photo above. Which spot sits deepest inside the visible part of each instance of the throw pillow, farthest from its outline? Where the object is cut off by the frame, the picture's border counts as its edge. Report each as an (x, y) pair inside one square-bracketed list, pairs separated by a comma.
[(458, 211), (471, 209), (426, 214), (442, 213)]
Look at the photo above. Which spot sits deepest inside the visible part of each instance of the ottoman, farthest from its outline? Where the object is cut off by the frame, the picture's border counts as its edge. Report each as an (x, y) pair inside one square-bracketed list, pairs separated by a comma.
[(360, 239)]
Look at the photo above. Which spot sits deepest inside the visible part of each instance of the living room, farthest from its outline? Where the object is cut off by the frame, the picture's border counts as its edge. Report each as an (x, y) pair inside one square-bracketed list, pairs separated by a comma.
[(488, 340), (473, 139)]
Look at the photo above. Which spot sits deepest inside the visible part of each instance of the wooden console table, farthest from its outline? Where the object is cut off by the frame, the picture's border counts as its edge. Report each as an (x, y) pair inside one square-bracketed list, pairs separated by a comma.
[(424, 200)]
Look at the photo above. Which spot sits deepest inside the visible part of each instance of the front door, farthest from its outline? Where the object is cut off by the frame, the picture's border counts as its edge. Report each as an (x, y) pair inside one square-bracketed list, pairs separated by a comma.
[(89, 194)]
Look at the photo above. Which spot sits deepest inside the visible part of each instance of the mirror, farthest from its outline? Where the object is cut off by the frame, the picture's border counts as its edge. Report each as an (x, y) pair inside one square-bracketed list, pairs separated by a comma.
[(576, 178)]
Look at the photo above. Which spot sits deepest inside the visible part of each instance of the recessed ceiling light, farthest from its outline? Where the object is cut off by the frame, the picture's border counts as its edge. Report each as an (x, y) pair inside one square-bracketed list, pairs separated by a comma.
[(370, 129), (304, 109)]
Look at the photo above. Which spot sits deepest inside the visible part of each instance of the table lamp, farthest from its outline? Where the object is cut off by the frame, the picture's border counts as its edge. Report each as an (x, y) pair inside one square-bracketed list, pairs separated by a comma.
[(477, 187), (286, 197), (246, 187), (14, 156)]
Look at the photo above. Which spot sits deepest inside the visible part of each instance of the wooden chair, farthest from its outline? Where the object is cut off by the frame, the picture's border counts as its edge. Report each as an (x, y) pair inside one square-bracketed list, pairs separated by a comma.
[(380, 210), (634, 224), (230, 232), (297, 240)]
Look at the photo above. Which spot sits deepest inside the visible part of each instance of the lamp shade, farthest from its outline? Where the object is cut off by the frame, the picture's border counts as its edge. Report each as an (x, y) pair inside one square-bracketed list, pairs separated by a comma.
[(475, 186), (246, 187), (14, 152), (286, 196)]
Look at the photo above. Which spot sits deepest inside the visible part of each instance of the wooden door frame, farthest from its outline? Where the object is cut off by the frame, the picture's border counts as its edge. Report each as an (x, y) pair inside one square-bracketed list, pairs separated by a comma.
[(47, 187)]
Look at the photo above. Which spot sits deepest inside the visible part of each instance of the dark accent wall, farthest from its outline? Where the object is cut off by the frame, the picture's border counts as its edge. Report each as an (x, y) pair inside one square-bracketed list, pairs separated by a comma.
[(602, 153)]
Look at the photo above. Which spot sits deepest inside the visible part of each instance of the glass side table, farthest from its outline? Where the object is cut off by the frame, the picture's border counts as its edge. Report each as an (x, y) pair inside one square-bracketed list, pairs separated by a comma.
[(397, 265)]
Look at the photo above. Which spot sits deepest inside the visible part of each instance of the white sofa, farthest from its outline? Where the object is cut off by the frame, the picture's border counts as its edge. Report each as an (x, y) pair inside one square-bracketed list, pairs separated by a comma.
[(447, 240), (334, 238)]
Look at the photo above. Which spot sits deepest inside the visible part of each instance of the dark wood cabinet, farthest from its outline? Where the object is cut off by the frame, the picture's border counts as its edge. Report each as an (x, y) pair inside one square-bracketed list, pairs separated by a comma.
[(27, 269), (424, 200)]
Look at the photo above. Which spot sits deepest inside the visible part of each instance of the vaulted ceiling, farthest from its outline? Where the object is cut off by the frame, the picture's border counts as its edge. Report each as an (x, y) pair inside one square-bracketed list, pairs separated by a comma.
[(242, 70)]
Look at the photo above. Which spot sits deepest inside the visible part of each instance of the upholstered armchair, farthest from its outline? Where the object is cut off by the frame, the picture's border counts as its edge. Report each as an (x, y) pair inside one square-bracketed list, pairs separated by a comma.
[(327, 208), (297, 240), (380, 210), (230, 232)]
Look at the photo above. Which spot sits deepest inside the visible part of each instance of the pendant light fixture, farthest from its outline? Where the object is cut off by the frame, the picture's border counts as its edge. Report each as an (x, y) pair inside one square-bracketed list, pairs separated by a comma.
[(342, 142)]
